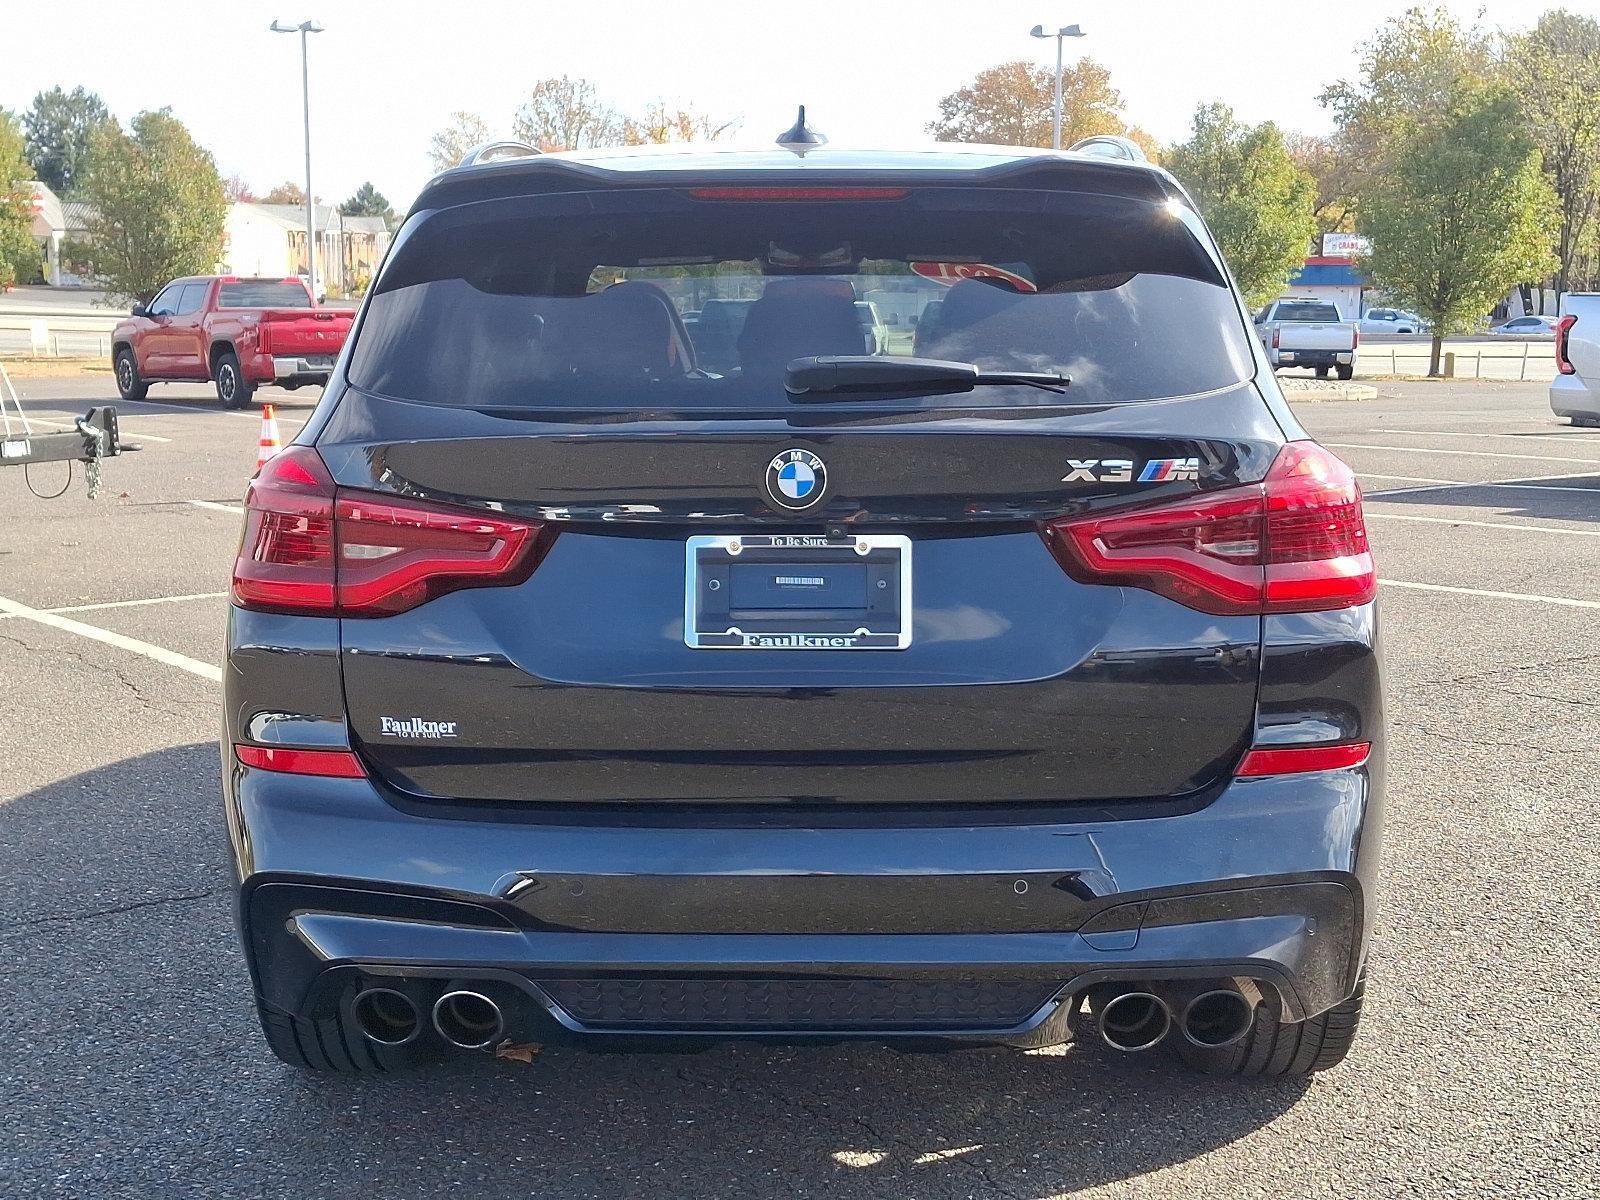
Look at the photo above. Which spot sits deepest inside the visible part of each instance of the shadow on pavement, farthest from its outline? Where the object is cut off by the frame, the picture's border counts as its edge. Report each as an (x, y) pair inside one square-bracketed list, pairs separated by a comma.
[(135, 1065), (1575, 499)]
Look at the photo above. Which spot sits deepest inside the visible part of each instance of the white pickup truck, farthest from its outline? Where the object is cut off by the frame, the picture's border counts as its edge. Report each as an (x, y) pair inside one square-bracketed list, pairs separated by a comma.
[(1575, 392), (1305, 332)]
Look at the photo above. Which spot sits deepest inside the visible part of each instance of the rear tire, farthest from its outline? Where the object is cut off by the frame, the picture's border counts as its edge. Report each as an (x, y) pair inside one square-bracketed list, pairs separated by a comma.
[(1346, 372), (233, 389), (126, 369), (1322, 372), (1273, 1049), (332, 1044)]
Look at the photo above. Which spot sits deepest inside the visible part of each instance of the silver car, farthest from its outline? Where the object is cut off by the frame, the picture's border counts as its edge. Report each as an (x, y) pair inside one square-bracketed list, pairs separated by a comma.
[(1391, 320)]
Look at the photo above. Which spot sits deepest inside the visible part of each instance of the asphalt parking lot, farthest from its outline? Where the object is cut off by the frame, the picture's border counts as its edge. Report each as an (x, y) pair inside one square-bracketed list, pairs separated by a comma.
[(132, 1066)]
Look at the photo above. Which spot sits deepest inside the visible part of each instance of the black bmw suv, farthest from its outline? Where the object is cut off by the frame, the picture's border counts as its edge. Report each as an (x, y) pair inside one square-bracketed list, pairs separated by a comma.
[(1014, 682)]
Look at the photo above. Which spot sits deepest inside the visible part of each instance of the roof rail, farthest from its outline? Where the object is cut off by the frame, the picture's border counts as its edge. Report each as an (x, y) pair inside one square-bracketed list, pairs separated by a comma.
[(495, 152), (1110, 145)]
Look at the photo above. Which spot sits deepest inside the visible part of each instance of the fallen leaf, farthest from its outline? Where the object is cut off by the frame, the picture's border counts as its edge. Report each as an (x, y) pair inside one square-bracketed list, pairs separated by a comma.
[(522, 1052)]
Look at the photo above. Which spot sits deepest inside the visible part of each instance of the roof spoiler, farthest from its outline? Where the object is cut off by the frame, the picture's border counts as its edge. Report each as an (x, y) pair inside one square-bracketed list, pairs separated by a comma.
[(1110, 145), (496, 152)]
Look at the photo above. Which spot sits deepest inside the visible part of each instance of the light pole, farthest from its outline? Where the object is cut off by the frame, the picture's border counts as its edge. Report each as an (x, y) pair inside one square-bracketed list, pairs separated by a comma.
[(303, 29), (1066, 31)]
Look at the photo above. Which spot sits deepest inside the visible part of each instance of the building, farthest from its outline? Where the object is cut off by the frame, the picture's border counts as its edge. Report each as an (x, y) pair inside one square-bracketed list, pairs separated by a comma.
[(1333, 278), (270, 239)]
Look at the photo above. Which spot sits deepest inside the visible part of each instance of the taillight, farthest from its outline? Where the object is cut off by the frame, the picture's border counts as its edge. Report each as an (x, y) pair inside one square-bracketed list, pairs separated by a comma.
[(333, 764), (1355, 336), (1563, 328), (264, 338), (1276, 333), (309, 547), (1296, 760), (1295, 542), (798, 193)]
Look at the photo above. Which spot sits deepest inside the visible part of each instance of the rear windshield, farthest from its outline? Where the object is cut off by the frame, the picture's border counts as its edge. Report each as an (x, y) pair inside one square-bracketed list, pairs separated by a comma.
[(662, 300), (1296, 311), (263, 293)]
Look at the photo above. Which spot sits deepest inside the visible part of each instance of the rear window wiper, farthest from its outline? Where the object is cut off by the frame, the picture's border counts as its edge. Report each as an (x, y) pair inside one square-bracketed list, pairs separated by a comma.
[(848, 376)]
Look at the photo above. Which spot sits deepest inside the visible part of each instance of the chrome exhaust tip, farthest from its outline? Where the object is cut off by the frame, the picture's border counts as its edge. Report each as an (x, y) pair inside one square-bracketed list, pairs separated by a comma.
[(386, 1016), (468, 1020), (1133, 1021), (1217, 1018)]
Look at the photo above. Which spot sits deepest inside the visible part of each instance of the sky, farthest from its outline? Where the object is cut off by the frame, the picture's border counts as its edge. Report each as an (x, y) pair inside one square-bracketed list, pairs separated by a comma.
[(387, 73)]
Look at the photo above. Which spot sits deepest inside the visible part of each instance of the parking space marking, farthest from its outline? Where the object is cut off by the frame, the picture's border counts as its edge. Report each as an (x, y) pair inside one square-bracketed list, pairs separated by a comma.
[(122, 429), (217, 505), (1461, 453), (1564, 601), (1543, 437), (1372, 516), (1413, 479), (136, 603), (158, 654)]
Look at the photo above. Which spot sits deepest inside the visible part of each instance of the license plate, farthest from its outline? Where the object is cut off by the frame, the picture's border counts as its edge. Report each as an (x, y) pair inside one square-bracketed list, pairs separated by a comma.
[(797, 592)]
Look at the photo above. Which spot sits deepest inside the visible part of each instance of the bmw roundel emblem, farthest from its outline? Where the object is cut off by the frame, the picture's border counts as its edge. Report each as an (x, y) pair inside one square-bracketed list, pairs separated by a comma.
[(796, 479)]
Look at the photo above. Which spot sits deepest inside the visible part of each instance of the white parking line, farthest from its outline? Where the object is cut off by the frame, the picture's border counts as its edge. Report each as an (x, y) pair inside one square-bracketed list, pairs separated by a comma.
[(1564, 601), (1461, 453), (1372, 516), (136, 603), (219, 507), (122, 430), (1413, 479), (1543, 437), (159, 654)]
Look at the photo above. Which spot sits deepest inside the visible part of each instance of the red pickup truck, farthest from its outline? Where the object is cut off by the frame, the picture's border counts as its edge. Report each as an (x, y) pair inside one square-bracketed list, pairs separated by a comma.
[(240, 333)]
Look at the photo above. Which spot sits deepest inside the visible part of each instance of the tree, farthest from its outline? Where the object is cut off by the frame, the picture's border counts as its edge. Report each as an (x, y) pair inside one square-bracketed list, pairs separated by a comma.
[(1555, 71), (450, 145), (567, 114), (285, 193), (368, 202), (60, 125), (19, 253), (1462, 215), (1256, 198), (237, 191), (1320, 158), (158, 203), (661, 124), (1013, 104)]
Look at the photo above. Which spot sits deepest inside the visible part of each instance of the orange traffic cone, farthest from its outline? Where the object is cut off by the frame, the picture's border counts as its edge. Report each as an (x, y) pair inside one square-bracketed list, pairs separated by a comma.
[(270, 443)]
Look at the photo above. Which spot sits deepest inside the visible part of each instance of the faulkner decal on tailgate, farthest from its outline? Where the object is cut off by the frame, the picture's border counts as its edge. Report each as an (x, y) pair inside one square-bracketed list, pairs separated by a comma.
[(1120, 470), (416, 727)]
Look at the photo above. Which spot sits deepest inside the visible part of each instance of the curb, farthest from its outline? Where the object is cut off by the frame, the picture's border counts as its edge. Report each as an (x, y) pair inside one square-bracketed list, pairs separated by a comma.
[(1332, 392)]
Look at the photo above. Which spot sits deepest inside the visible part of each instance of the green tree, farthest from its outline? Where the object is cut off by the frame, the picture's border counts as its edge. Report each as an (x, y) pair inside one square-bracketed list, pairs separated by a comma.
[(1258, 201), (1555, 71), (368, 201), (450, 145), (159, 205), (1461, 215), (59, 126), (1013, 104), (19, 253)]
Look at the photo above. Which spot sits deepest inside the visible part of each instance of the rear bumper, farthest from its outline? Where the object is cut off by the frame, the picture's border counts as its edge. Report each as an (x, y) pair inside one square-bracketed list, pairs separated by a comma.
[(1312, 358), (1571, 397), (922, 929), (292, 368)]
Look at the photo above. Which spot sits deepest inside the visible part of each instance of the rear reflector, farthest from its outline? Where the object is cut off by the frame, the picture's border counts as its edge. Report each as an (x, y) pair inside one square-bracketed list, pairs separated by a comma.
[(338, 764), (1296, 760), (798, 193), (1563, 330), (1295, 542), (309, 547)]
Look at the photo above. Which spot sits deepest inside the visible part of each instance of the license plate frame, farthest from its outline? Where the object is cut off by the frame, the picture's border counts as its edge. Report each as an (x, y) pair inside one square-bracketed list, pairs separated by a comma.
[(884, 623)]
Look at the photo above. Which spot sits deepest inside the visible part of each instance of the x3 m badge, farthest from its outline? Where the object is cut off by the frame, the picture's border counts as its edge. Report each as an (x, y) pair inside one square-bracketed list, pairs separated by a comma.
[(1120, 470)]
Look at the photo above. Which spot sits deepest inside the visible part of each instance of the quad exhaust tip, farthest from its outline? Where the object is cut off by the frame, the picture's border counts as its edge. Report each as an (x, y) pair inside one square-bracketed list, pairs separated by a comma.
[(1217, 1018), (1133, 1021), (468, 1020), (386, 1016)]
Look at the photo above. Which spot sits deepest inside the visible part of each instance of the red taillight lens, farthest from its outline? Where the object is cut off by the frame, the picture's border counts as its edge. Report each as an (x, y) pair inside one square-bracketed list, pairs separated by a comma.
[(1296, 542), (1355, 336), (798, 193), (336, 764), (264, 338), (311, 548), (1295, 760), (1563, 328), (1275, 337)]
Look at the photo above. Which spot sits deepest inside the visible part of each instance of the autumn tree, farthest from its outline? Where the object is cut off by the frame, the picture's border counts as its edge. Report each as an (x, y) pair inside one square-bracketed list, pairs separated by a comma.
[(1013, 104), (19, 254), (663, 123), (1462, 214), (236, 191), (1256, 198), (158, 203), (450, 145), (1555, 71), (368, 201), (286, 193), (59, 126), (1330, 170), (567, 114)]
